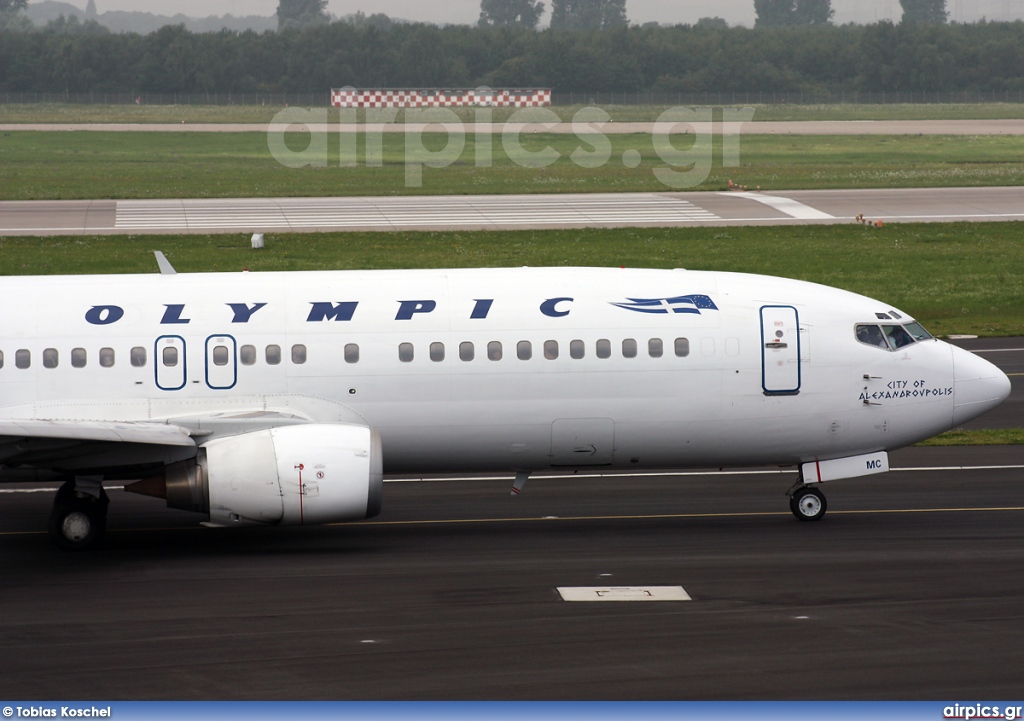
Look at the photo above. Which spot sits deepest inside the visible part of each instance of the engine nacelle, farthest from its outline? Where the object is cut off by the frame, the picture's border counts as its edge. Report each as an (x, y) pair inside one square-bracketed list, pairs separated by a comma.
[(294, 475)]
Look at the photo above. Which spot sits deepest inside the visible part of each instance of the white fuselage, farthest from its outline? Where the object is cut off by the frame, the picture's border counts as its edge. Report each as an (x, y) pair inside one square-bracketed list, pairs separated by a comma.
[(728, 369)]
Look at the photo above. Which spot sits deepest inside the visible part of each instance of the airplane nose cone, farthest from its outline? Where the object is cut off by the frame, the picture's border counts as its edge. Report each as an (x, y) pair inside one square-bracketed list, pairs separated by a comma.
[(978, 386)]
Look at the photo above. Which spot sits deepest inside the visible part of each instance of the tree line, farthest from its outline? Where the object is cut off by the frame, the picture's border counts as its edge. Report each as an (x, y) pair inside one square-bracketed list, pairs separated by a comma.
[(599, 14), (374, 52)]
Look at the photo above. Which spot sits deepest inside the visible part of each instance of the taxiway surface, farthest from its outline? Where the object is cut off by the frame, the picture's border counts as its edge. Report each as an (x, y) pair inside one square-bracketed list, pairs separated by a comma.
[(909, 589), (490, 212)]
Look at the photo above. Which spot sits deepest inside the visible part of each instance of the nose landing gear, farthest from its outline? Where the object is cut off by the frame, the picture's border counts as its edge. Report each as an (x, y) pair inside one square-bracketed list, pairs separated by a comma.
[(806, 502)]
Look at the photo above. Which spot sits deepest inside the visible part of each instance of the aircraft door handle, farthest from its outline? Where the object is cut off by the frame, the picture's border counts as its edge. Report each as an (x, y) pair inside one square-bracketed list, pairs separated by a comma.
[(776, 344)]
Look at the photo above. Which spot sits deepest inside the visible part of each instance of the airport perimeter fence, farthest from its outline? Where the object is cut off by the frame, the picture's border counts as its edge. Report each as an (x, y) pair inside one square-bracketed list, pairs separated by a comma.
[(567, 97)]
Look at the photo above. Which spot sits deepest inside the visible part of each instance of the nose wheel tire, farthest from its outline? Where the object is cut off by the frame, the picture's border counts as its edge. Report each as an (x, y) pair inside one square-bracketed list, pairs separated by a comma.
[(808, 504), (77, 522)]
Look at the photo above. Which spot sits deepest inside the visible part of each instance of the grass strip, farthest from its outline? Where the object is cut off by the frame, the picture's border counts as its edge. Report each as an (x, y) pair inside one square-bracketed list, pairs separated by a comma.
[(75, 165), (954, 277), (986, 437), (78, 113)]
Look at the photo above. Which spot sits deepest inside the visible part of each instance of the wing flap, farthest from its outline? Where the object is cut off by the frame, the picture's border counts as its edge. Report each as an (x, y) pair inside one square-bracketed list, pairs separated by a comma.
[(161, 434)]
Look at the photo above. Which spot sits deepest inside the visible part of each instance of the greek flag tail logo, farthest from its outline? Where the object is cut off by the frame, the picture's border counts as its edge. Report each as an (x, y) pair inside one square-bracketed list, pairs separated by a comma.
[(692, 304)]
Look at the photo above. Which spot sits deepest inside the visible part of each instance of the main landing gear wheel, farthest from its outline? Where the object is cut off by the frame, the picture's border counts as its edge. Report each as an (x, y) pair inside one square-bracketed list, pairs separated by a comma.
[(77, 522), (808, 504)]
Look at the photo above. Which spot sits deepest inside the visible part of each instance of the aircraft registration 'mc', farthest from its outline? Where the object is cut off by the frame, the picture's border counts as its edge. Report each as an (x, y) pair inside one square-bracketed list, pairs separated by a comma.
[(284, 398)]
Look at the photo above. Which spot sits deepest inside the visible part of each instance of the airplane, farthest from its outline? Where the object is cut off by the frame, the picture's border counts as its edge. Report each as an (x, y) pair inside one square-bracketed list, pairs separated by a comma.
[(283, 398)]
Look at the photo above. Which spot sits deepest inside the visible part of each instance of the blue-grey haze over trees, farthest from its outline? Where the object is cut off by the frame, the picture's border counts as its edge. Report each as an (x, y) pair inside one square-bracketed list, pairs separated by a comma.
[(789, 13), (301, 13), (85, 57), (588, 14), (42, 12), (467, 12), (76, 55), (504, 13), (924, 11)]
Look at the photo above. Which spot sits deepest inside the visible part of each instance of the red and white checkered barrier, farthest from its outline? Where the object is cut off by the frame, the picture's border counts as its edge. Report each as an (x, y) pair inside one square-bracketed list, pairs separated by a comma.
[(411, 98)]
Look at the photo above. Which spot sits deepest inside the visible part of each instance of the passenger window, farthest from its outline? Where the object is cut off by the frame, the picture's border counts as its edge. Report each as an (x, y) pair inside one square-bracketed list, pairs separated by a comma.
[(604, 348), (273, 355), (524, 350), (22, 359), (106, 357), (437, 352), (682, 347), (220, 355), (1, 359), (576, 349), (655, 348), (137, 356), (298, 354), (170, 356), (466, 351), (551, 349), (629, 348), (351, 353), (78, 357), (50, 358), (494, 350), (247, 354), (405, 352), (871, 335)]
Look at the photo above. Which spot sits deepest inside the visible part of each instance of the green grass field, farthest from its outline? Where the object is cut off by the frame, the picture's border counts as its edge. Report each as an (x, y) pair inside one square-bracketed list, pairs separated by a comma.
[(67, 165), (990, 437), (955, 278), (74, 113)]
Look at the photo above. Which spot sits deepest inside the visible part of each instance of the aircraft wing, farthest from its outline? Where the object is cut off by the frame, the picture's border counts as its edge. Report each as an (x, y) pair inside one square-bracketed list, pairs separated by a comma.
[(30, 449), (160, 434)]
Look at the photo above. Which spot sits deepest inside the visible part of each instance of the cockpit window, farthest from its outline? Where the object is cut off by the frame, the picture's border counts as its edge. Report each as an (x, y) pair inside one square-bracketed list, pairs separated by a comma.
[(918, 331), (897, 335), (891, 337), (872, 335)]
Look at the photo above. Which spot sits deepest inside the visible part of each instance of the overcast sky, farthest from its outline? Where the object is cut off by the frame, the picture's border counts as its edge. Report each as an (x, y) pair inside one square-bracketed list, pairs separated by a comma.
[(639, 11)]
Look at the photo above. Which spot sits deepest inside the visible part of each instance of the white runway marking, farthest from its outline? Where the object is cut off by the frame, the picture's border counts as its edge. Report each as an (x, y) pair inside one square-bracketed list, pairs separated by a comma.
[(623, 593), (790, 207), (669, 474), (394, 213), (591, 476)]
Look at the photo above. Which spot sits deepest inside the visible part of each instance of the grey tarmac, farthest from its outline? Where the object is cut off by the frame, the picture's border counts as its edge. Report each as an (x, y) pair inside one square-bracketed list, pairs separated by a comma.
[(491, 212), (909, 589)]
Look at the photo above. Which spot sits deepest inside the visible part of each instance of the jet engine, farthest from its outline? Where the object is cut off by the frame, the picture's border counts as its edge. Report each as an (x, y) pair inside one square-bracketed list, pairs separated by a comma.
[(293, 475)]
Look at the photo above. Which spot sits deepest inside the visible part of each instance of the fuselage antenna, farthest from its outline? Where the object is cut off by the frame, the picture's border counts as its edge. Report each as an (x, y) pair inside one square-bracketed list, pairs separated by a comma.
[(165, 265)]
